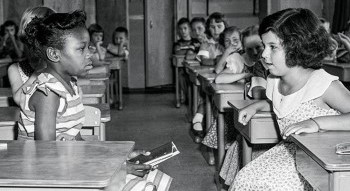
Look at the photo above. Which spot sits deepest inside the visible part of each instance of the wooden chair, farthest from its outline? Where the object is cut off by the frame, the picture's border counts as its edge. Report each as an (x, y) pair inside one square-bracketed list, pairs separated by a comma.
[(92, 121)]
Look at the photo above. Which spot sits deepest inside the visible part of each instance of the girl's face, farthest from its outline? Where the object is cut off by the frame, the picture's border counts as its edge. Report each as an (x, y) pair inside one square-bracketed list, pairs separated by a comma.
[(10, 30), (75, 56), (185, 31), (253, 47), (96, 37), (120, 38), (274, 54), (216, 29), (233, 40), (198, 29)]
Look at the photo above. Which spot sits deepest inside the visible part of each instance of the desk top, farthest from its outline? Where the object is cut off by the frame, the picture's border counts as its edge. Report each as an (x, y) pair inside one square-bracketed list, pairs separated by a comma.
[(105, 111), (5, 92), (188, 63), (115, 62), (200, 69), (240, 104), (233, 88), (93, 90), (62, 164), (210, 77), (336, 64), (321, 148)]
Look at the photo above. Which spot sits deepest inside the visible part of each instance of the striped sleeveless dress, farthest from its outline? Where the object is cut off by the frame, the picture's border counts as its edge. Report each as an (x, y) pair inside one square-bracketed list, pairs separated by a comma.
[(70, 116)]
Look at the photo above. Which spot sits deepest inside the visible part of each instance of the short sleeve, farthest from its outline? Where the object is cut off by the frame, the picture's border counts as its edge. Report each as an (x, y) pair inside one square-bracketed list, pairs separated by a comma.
[(235, 62)]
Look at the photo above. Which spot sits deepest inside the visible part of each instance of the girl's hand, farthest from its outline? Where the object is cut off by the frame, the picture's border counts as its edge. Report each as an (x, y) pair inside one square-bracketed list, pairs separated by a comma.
[(344, 39), (136, 153), (231, 49), (246, 114), (307, 126), (137, 169)]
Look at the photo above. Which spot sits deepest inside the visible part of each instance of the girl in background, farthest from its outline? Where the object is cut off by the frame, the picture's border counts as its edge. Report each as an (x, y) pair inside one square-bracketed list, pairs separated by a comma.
[(209, 51), (22, 73), (120, 45), (10, 45)]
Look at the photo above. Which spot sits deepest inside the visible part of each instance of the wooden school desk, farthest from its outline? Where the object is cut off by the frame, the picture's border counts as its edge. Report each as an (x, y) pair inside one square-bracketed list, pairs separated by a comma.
[(116, 65), (205, 80), (317, 161), (101, 76), (189, 63), (177, 63), (6, 99), (93, 94), (193, 72), (261, 129), (221, 94), (63, 165)]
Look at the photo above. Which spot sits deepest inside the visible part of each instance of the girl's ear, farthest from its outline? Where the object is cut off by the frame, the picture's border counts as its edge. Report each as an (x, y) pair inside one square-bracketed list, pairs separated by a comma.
[(53, 54)]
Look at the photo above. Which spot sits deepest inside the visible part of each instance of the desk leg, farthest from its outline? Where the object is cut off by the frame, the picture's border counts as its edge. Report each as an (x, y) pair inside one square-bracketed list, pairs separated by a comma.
[(120, 88), (221, 140), (247, 152), (195, 99), (177, 92), (107, 97), (112, 84), (102, 135), (190, 100), (207, 113)]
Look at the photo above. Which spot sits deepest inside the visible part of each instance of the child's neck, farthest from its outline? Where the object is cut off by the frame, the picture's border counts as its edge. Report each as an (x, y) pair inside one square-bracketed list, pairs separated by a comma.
[(294, 80), (65, 79), (186, 38)]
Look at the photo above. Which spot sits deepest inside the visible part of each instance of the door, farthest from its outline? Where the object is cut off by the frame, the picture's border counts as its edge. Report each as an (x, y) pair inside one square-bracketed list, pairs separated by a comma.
[(158, 42)]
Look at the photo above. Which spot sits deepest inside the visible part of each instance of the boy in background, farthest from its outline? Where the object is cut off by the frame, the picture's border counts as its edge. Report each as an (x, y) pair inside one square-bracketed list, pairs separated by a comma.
[(120, 45)]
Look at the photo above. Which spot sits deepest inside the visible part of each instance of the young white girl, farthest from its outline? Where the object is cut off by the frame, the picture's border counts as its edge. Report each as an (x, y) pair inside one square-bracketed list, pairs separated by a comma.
[(305, 98), (209, 51), (22, 74), (96, 41), (10, 45), (230, 67), (198, 36)]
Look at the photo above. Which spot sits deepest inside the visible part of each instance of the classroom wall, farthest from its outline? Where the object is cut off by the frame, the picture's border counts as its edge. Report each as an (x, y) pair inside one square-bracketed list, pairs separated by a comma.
[(13, 9)]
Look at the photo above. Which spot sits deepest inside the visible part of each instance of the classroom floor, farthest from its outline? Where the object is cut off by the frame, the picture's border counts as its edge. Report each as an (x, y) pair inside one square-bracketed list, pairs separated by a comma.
[(151, 120)]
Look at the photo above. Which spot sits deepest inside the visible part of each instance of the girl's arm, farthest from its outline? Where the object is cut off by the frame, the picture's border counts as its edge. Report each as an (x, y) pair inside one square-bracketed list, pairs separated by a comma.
[(101, 54), (225, 77), (45, 107), (222, 61), (345, 40), (248, 112), (17, 84), (336, 97)]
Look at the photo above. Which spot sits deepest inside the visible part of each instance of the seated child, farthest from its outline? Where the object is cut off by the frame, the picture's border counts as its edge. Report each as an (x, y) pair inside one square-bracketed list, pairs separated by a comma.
[(209, 50), (53, 108), (23, 73), (120, 45), (10, 45), (198, 36), (185, 43), (304, 97), (96, 40)]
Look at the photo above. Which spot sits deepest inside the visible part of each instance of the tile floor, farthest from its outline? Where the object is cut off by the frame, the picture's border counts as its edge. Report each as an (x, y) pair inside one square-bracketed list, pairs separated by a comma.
[(151, 120)]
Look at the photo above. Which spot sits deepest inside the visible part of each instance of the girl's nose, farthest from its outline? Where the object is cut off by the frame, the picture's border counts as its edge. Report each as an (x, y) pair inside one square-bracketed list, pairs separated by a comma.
[(264, 54)]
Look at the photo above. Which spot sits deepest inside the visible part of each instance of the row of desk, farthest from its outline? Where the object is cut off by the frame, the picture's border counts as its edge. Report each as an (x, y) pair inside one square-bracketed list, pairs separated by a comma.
[(316, 161)]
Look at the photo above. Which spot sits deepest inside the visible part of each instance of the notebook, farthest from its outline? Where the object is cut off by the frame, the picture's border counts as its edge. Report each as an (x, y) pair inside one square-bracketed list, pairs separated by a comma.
[(158, 155)]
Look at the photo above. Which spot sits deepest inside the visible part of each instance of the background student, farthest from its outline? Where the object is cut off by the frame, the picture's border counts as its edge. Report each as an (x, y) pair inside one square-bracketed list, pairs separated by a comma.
[(304, 97), (10, 45), (23, 73), (96, 41), (209, 50), (199, 35), (120, 43), (184, 43)]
